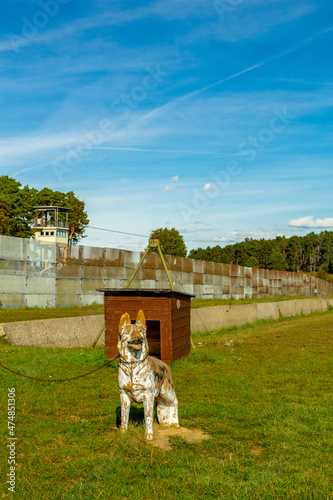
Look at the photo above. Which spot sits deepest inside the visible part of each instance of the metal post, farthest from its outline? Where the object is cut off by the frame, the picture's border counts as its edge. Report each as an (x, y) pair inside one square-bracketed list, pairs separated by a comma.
[(153, 243), (165, 267), (137, 267)]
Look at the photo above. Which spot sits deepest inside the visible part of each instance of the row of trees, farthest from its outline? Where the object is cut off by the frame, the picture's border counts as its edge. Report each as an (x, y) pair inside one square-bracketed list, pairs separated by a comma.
[(17, 202), (308, 253), (298, 253)]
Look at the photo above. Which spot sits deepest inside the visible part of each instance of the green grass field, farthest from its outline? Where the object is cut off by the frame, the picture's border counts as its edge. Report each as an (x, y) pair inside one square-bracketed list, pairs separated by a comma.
[(263, 393), (32, 313), (196, 303)]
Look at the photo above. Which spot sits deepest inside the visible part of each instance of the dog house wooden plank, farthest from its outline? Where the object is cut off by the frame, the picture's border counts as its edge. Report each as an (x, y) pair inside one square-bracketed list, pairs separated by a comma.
[(181, 352), (132, 307), (181, 341), (153, 300), (180, 323), (136, 304), (178, 333), (177, 304), (149, 314), (181, 313), (166, 337), (112, 333), (166, 340)]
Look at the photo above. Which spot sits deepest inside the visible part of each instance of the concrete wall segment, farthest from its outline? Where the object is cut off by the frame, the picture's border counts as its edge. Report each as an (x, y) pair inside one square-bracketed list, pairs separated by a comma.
[(31, 261), (237, 315), (267, 310), (59, 332)]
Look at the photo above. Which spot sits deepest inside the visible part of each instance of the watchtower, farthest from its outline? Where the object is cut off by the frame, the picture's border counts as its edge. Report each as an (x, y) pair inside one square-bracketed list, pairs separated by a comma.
[(51, 225)]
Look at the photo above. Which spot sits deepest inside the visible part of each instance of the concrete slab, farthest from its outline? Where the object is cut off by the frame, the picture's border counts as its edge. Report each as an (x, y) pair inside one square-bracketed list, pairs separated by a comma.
[(60, 332), (318, 305), (267, 310), (305, 306), (239, 315), (209, 318), (289, 308)]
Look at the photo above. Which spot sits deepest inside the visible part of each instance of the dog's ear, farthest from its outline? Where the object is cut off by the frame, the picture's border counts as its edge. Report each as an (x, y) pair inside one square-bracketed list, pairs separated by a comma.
[(141, 318), (125, 319)]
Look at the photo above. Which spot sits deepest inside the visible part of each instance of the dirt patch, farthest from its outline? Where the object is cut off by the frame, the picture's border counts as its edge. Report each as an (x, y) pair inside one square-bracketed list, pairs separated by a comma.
[(257, 450), (162, 434)]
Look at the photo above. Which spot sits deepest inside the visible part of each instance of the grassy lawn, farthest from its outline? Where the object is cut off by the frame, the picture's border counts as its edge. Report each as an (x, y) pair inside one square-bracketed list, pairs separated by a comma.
[(263, 393), (32, 313), (195, 303)]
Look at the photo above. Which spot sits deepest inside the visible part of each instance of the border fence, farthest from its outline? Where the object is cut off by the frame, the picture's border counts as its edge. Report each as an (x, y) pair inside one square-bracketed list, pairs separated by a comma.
[(44, 275)]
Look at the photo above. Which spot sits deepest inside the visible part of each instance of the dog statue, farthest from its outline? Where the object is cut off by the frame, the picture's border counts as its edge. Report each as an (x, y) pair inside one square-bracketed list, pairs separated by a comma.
[(144, 379)]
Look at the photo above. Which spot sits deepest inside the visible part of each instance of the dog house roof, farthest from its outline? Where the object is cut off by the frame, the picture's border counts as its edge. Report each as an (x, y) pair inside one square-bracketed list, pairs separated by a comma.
[(144, 292)]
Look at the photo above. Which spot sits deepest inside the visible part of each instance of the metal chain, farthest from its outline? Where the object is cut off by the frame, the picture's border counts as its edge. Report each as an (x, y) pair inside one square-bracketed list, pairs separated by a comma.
[(59, 379)]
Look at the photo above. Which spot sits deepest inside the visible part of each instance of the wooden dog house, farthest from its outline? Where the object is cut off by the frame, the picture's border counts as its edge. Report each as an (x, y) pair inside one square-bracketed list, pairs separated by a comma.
[(168, 315)]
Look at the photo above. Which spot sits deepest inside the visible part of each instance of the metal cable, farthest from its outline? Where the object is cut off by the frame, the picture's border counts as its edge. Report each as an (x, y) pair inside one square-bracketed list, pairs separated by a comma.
[(119, 232)]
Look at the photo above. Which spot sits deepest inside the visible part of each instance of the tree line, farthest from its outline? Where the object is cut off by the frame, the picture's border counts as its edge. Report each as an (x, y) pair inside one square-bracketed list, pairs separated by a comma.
[(310, 253)]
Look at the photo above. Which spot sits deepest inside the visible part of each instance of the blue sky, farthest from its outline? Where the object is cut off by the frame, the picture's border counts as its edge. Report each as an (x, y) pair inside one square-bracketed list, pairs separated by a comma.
[(214, 117)]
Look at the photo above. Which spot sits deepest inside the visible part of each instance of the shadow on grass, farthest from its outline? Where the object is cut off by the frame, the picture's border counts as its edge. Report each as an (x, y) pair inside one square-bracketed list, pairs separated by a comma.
[(136, 416)]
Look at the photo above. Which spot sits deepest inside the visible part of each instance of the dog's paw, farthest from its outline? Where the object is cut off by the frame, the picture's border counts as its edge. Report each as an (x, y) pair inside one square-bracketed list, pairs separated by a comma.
[(123, 430), (149, 437)]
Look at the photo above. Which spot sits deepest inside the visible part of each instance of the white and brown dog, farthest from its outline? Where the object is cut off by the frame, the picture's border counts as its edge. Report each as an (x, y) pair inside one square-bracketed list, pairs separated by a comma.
[(144, 379)]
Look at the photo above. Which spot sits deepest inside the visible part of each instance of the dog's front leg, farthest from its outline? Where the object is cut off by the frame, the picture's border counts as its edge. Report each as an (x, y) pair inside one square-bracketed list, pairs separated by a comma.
[(148, 405), (125, 404)]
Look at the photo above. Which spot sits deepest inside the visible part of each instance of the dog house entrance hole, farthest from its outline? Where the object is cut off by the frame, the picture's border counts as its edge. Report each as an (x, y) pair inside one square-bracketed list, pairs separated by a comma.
[(153, 337)]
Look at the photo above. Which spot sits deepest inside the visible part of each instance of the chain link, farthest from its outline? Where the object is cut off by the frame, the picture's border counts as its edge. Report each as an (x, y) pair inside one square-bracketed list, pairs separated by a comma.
[(60, 379)]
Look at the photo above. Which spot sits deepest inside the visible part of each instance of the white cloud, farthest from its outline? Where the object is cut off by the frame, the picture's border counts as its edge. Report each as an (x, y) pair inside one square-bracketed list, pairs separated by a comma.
[(234, 23), (207, 187), (111, 18), (167, 188), (309, 221), (237, 236), (187, 230), (175, 178), (233, 237)]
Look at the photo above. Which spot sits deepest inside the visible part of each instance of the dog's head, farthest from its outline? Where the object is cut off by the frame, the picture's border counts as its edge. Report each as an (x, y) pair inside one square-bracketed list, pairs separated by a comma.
[(132, 338)]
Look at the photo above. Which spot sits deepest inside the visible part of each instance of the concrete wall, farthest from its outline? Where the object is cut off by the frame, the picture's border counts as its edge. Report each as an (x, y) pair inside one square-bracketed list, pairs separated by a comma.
[(27, 273), (83, 331), (32, 274), (214, 318), (59, 332)]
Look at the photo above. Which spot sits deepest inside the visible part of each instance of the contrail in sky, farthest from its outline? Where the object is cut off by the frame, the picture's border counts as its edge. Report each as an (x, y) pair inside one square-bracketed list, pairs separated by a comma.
[(177, 100), (301, 44)]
